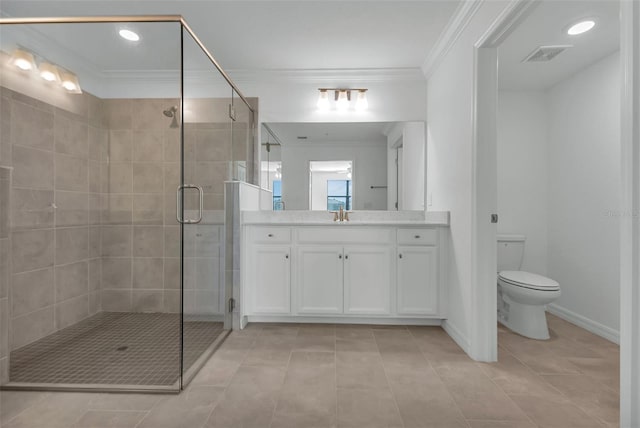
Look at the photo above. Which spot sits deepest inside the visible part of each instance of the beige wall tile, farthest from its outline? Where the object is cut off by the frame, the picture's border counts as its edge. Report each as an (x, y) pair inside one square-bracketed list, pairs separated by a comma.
[(71, 136), (5, 130), (148, 301), (31, 327), (95, 302), (4, 327), (4, 268), (117, 209), (72, 209), (171, 273), (32, 291), (95, 242), (148, 146), (147, 177), (172, 241), (116, 300), (95, 176), (211, 176), (72, 244), (116, 273), (147, 209), (95, 208), (172, 145), (32, 249), (118, 113), (120, 145), (72, 173), (119, 178), (98, 144), (32, 168), (148, 241), (72, 280), (95, 275), (147, 113), (32, 126), (213, 145), (32, 209), (172, 301), (116, 241), (148, 273), (72, 311)]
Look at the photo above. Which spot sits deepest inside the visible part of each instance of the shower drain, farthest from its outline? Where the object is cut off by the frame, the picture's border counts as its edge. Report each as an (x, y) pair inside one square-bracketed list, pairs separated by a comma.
[(122, 348)]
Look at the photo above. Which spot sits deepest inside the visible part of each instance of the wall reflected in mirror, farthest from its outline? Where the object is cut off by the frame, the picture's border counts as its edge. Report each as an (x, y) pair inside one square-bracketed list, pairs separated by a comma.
[(386, 162)]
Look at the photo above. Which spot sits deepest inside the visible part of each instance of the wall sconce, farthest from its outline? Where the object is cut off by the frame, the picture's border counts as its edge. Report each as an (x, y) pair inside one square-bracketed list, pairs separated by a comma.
[(25, 61), (342, 99)]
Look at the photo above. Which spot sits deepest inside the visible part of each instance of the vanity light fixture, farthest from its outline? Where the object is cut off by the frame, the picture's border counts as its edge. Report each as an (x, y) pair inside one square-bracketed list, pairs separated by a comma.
[(129, 35), (342, 98), (70, 82), (581, 27), (23, 60), (49, 72)]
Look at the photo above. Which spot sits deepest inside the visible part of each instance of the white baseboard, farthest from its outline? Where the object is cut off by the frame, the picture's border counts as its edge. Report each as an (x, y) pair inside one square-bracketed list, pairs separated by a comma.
[(344, 320), (586, 323), (457, 336)]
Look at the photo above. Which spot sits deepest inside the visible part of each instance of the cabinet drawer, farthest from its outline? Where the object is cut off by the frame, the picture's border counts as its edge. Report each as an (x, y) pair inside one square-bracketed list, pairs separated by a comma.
[(416, 236), (342, 234), (270, 235)]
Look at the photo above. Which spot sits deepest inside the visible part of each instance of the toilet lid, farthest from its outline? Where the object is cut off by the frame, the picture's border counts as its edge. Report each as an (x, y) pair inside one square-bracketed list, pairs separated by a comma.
[(528, 280)]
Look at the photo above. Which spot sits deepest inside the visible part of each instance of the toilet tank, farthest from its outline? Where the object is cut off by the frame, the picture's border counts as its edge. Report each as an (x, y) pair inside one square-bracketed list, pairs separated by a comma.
[(510, 252)]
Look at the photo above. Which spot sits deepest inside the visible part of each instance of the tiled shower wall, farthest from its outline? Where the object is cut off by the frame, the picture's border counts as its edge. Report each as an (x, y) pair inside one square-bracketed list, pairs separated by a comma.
[(5, 190), (55, 259)]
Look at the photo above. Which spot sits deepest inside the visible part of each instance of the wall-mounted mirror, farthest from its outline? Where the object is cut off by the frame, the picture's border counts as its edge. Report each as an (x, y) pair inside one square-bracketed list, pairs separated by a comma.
[(368, 165)]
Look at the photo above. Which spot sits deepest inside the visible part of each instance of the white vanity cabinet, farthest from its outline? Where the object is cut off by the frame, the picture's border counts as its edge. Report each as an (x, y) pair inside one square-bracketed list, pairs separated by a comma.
[(270, 273), (342, 272)]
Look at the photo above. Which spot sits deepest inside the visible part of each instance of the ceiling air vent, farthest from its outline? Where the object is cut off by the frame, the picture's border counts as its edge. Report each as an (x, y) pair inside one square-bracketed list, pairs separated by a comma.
[(546, 53)]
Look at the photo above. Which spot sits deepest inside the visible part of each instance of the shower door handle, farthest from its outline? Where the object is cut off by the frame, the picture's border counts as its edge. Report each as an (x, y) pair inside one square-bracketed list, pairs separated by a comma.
[(179, 205)]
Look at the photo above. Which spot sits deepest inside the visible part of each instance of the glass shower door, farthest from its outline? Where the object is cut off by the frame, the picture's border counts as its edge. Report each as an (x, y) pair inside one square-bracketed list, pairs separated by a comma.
[(206, 154)]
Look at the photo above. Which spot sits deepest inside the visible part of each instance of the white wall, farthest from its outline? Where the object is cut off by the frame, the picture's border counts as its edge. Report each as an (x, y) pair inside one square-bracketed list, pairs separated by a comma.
[(369, 169), (523, 173), (584, 199), (413, 146), (450, 134)]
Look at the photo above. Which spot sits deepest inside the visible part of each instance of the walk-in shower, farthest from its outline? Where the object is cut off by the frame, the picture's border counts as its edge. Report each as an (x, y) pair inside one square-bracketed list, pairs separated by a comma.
[(112, 238)]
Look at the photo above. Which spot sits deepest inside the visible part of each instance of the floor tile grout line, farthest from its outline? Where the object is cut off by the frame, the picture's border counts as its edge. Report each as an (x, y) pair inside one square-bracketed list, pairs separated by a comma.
[(453, 400), (393, 394), (286, 372)]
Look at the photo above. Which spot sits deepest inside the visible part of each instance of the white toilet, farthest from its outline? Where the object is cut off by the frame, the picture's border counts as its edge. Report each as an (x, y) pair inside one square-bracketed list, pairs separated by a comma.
[(522, 296)]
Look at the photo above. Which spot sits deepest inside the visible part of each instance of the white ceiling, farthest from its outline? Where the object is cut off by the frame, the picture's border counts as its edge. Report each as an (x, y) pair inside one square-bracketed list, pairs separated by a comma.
[(256, 35), (547, 25), (353, 132)]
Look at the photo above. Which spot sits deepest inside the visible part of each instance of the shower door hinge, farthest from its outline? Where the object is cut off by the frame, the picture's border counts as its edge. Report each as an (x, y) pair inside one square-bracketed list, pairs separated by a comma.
[(494, 218), (232, 304), (232, 112)]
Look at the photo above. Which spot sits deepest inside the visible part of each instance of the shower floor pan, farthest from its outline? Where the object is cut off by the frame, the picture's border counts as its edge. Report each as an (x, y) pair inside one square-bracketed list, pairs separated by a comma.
[(115, 349)]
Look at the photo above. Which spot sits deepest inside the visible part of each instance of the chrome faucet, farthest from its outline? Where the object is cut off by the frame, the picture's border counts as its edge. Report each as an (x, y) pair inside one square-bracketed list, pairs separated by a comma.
[(341, 215)]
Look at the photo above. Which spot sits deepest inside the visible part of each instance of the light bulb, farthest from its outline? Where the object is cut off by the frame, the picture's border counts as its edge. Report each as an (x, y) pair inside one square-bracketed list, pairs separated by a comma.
[(343, 101), (581, 27), (129, 35), (49, 72), (70, 82), (323, 100), (361, 101), (23, 60)]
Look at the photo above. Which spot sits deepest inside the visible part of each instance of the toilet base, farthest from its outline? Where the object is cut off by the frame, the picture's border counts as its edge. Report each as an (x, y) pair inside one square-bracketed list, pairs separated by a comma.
[(527, 320)]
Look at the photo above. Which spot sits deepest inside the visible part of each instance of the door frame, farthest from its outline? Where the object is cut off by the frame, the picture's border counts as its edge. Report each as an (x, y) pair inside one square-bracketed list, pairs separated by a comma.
[(484, 190)]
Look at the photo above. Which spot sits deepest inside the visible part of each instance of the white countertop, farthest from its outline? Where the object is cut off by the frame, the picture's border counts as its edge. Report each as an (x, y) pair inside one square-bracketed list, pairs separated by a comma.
[(356, 218)]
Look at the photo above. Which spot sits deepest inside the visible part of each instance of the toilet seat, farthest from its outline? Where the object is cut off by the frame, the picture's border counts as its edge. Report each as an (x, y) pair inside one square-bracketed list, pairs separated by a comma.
[(528, 280)]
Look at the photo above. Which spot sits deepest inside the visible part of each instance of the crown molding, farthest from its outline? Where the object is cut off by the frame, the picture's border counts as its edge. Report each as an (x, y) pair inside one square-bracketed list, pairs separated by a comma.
[(334, 76), (456, 25)]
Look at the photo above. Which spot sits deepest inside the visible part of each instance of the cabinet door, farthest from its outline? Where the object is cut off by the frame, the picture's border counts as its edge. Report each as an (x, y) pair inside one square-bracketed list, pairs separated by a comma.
[(319, 279), (367, 280), (417, 280), (271, 284)]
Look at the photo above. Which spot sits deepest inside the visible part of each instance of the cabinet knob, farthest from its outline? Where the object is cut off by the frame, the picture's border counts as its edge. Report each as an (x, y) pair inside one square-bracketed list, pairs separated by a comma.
[(340, 256), (270, 235), (417, 236), (399, 255), (286, 256), (346, 256)]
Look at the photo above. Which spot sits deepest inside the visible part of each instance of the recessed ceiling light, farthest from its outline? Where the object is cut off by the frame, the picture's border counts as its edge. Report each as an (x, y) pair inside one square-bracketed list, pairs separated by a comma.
[(581, 27), (129, 35)]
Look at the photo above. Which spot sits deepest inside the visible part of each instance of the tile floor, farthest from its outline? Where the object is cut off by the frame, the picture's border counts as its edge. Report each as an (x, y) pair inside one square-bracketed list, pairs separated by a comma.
[(319, 376), (115, 348)]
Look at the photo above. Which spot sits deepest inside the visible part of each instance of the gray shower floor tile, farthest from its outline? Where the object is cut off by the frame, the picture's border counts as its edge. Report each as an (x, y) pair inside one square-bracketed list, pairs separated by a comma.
[(114, 348)]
